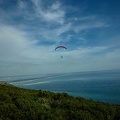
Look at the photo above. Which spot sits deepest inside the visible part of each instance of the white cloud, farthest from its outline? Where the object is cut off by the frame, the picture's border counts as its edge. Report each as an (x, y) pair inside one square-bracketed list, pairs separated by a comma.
[(11, 40), (15, 44), (22, 4), (53, 16), (54, 34), (88, 26), (86, 18), (93, 49), (56, 6), (54, 13)]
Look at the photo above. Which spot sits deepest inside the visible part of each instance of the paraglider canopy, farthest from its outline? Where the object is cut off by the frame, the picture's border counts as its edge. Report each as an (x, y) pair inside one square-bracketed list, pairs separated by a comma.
[(61, 47)]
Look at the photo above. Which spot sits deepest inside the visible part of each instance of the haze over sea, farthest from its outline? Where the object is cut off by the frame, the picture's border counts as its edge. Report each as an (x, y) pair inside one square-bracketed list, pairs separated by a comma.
[(97, 85)]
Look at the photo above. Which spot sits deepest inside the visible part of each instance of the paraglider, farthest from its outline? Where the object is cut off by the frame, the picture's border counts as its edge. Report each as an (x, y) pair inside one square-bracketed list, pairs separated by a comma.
[(58, 47)]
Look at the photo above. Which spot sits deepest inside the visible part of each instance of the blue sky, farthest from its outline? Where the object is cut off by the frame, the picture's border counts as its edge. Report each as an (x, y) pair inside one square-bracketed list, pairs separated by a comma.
[(31, 29)]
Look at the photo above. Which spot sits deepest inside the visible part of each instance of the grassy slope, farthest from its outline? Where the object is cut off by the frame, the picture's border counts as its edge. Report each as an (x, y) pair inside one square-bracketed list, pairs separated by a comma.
[(23, 104)]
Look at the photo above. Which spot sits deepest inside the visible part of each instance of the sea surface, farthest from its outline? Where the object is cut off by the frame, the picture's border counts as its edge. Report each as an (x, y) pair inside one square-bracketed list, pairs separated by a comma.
[(97, 85)]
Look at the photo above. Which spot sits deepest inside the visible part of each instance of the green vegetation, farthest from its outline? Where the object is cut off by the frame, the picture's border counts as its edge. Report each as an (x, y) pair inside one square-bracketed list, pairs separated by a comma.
[(23, 104)]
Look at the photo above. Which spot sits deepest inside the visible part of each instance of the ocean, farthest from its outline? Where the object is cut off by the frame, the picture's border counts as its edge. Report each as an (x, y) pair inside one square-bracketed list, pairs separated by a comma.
[(101, 86)]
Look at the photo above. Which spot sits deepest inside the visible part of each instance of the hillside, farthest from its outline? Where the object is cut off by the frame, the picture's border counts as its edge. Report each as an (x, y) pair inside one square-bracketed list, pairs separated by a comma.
[(24, 104)]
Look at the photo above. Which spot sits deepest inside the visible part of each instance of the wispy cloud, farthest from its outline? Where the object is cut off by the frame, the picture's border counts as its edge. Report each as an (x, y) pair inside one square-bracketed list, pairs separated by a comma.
[(55, 34), (53, 13), (89, 25), (22, 5), (12, 42), (93, 49), (15, 46)]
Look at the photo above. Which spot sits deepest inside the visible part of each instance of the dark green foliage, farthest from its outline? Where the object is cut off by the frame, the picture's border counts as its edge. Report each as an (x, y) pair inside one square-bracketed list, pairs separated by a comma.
[(23, 104)]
